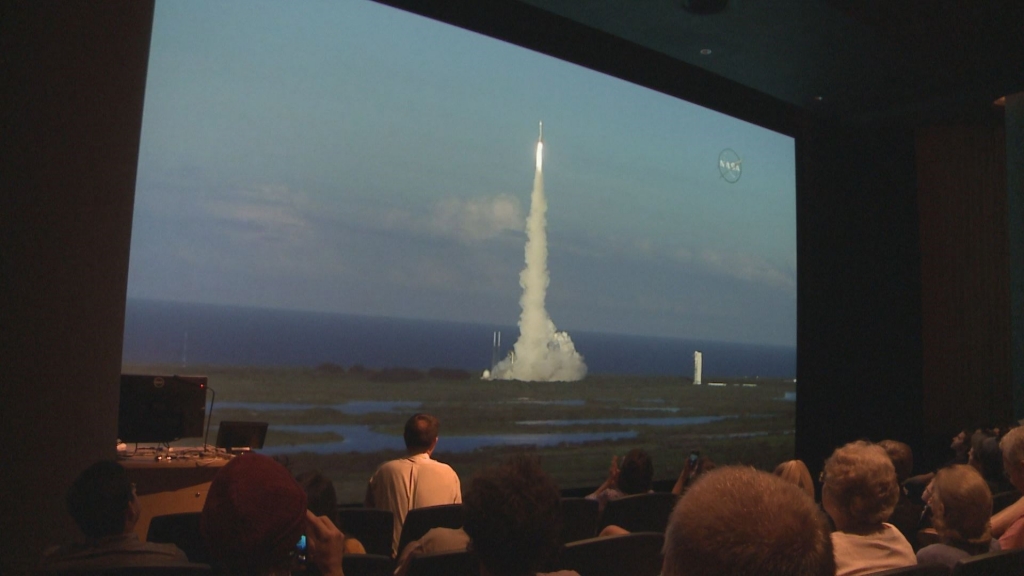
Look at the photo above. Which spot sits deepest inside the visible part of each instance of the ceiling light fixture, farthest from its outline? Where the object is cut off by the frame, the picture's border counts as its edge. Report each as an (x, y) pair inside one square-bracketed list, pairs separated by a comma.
[(705, 51)]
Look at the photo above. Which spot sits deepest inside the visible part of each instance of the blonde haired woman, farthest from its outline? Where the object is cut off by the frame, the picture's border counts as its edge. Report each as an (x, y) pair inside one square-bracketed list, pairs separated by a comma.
[(961, 505), (859, 491), (796, 472)]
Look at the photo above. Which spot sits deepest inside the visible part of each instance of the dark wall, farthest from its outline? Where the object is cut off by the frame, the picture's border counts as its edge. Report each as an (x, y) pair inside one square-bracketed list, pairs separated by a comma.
[(904, 282), (72, 91), (965, 269), (1015, 186), (859, 287)]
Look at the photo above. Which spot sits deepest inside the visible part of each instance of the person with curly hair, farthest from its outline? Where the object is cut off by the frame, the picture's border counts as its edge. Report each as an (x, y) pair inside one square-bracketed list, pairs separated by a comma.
[(859, 492), (513, 518), (961, 505), (738, 520)]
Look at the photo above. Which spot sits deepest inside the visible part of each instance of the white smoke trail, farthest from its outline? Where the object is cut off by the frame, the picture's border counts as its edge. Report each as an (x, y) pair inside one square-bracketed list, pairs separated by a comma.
[(542, 353)]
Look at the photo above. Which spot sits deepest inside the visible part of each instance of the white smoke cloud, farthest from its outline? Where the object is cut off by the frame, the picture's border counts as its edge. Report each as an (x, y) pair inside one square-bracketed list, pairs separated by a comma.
[(542, 353), (477, 219)]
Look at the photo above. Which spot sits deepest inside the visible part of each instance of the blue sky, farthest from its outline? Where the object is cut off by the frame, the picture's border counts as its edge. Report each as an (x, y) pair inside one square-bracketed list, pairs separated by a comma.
[(349, 157)]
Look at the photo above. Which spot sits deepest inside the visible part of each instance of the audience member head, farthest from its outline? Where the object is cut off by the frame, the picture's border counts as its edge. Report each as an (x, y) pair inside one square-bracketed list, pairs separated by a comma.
[(421, 433), (737, 520), (962, 507), (859, 489), (102, 500), (796, 472), (902, 458), (974, 457), (512, 515), (1012, 447), (321, 499), (991, 459), (960, 443), (255, 513), (636, 472)]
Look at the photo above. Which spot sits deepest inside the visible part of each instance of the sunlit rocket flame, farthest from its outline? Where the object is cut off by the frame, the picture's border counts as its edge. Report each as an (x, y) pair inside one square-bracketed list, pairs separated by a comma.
[(540, 155)]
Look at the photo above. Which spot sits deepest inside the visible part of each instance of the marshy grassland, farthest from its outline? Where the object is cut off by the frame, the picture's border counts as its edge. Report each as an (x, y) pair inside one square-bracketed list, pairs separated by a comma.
[(757, 428)]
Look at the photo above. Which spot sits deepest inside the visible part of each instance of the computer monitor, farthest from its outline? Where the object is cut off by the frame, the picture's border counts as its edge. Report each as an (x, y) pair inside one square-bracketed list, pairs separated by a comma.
[(241, 435), (157, 408)]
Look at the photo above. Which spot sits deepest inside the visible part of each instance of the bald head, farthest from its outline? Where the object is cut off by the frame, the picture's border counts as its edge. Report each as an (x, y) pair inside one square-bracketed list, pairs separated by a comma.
[(738, 520)]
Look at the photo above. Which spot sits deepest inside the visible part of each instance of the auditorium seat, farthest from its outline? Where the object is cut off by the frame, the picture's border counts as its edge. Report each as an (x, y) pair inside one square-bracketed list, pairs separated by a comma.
[(916, 570), (1005, 562), (636, 554), (927, 537), (463, 563), (373, 527), (182, 570), (182, 530), (419, 520), (1003, 499), (368, 564), (640, 512), (579, 519)]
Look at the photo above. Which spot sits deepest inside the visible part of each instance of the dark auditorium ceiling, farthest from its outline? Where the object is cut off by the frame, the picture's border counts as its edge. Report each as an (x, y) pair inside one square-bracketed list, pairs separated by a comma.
[(831, 57)]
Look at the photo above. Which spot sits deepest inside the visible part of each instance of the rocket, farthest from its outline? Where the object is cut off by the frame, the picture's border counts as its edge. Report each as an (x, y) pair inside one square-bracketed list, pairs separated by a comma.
[(540, 147)]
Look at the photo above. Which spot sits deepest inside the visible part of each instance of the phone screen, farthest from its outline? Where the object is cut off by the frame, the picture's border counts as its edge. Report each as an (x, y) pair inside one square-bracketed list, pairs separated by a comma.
[(300, 548)]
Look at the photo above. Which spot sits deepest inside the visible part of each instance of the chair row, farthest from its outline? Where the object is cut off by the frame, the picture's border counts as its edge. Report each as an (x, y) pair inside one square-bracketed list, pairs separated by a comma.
[(374, 528), (636, 554), (1002, 563), (581, 519)]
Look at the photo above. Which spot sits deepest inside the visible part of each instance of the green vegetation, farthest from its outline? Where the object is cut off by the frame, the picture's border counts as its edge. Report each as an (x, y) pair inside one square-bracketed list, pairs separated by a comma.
[(758, 432)]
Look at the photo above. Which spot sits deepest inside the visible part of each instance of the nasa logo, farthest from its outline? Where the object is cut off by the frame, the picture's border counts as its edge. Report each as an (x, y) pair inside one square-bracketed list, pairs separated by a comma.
[(730, 166)]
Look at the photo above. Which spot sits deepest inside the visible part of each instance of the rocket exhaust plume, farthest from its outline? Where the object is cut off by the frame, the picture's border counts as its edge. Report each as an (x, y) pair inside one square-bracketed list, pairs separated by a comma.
[(542, 353)]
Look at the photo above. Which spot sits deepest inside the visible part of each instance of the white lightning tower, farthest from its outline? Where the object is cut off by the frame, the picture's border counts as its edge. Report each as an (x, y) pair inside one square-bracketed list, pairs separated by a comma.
[(698, 367)]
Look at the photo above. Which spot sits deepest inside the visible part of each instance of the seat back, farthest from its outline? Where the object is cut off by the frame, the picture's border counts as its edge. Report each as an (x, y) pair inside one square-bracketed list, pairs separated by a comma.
[(916, 570), (1002, 563), (640, 512), (579, 519), (461, 563), (419, 520), (172, 570), (368, 564), (636, 554), (1003, 499), (373, 527), (182, 530), (926, 537)]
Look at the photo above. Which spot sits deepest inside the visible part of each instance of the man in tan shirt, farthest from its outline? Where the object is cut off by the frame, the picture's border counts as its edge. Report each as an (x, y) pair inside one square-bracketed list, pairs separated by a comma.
[(415, 481)]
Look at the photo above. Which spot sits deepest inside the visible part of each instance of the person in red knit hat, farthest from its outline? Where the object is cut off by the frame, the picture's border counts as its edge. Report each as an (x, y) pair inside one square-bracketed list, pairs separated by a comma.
[(255, 515)]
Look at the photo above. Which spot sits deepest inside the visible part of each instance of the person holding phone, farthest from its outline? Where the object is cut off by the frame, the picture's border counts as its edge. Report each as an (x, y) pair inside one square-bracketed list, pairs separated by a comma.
[(694, 467), (256, 521)]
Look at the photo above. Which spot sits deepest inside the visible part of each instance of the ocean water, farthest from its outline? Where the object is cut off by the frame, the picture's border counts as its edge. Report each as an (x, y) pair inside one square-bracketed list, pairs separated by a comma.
[(172, 333)]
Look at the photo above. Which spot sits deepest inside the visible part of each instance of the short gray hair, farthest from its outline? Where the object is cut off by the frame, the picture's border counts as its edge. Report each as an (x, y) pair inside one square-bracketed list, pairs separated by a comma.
[(862, 480), (1012, 446)]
